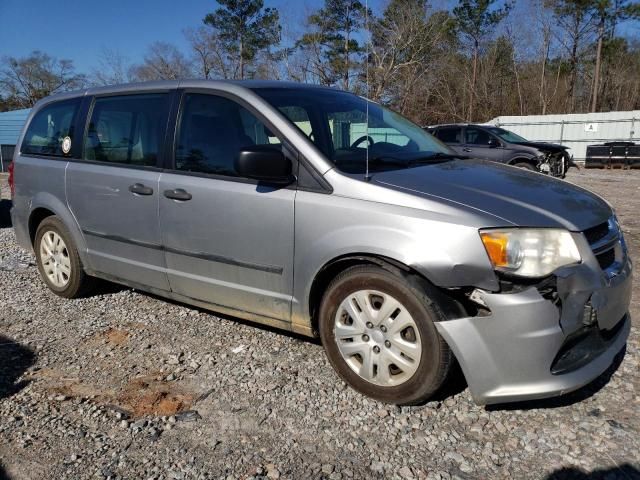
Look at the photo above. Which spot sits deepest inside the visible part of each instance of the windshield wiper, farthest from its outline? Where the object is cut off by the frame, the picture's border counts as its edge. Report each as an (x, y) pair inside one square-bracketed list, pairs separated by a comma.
[(435, 157), (387, 160)]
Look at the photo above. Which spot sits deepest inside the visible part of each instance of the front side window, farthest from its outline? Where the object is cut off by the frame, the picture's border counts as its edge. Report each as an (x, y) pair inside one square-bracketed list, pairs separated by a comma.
[(49, 128), (349, 130), (127, 129), (506, 135), (476, 136), (213, 130)]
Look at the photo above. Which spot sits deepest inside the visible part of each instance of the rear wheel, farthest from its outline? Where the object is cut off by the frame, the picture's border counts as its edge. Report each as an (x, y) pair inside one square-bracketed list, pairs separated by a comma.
[(58, 260), (379, 334)]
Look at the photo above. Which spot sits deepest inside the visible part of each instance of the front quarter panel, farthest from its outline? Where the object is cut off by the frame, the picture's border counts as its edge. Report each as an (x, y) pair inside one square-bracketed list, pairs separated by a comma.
[(433, 243)]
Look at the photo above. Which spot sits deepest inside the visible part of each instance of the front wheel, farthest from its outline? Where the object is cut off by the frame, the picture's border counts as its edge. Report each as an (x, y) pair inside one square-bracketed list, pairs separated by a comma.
[(525, 165), (378, 331)]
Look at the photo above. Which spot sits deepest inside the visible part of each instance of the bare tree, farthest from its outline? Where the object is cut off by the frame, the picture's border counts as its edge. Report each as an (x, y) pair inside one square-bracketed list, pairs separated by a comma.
[(208, 58), (475, 20), (162, 61), (112, 69), (402, 41), (26, 80)]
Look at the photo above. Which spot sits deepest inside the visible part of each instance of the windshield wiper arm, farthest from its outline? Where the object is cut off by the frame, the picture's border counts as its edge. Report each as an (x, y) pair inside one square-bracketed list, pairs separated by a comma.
[(387, 160), (435, 157)]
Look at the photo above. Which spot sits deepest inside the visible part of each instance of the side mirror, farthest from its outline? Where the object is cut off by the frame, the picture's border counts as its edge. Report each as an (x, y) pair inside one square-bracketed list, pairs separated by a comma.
[(264, 163), (493, 143)]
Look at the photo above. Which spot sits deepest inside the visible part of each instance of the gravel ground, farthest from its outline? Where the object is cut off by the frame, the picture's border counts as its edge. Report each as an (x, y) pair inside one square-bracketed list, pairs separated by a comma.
[(127, 385)]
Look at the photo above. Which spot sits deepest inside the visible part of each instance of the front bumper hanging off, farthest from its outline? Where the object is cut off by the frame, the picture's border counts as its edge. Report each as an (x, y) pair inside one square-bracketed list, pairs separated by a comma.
[(531, 346)]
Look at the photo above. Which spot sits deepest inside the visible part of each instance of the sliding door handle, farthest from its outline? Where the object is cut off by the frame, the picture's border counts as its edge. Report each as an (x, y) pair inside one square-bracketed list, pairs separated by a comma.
[(178, 194), (140, 189)]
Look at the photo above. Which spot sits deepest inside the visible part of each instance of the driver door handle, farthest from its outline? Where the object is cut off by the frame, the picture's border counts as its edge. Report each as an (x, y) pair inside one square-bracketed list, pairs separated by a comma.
[(466, 149), (140, 189), (178, 194)]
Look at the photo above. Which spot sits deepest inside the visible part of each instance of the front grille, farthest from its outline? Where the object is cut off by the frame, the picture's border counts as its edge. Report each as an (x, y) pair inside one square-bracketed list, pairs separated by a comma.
[(606, 259), (604, 239), (596, 233)]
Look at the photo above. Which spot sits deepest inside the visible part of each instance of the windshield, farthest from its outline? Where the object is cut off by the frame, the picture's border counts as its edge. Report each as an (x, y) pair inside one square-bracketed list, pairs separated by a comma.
[(506, 135), (336, 122)]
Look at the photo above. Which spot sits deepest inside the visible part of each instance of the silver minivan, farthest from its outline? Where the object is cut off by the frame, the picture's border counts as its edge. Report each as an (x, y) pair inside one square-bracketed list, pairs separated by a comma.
[(316, 211)]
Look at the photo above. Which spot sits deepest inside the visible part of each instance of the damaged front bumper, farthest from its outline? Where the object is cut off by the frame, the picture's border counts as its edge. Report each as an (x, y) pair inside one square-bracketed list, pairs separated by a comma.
[(541, 342)]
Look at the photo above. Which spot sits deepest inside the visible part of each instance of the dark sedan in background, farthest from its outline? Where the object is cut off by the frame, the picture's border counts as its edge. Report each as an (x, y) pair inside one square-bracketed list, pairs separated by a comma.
[(500, 145)]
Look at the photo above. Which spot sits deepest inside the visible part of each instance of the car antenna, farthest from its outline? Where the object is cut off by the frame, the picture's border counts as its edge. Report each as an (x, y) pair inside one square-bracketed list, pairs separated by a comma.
[(367, 177)]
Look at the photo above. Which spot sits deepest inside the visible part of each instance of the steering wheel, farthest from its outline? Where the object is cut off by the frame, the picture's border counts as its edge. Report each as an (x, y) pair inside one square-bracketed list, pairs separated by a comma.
[(362, 139)]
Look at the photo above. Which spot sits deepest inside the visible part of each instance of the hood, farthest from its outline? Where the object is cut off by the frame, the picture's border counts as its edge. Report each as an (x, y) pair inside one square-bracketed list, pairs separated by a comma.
[(545, 147), (517, 196)]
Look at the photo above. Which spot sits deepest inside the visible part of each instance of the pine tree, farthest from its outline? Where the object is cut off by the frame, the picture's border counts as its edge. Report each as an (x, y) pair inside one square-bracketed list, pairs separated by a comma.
[(333, 40), (244, 28), (475, 19)]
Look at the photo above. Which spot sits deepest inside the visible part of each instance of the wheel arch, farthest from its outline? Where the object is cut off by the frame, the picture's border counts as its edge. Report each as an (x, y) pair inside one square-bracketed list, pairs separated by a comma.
[(524, 159), (451, 306), (35, 219), (46, 205)]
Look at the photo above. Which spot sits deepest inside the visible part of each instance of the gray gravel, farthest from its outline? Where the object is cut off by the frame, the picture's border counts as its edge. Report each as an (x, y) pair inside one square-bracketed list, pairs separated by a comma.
[(127, 385)]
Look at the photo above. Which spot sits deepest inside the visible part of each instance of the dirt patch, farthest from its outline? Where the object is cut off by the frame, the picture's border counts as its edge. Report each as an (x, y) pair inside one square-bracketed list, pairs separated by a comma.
[(113, 336), (149, 397), (140, 397)]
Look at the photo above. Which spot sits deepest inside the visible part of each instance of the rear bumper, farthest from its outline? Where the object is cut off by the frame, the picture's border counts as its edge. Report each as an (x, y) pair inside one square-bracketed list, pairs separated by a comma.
[(516, 352)]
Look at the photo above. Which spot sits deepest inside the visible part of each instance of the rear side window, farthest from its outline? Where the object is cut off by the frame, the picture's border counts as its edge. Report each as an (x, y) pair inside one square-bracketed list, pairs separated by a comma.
[(213, 130), (49, 127), (127, 129), (449, 134)]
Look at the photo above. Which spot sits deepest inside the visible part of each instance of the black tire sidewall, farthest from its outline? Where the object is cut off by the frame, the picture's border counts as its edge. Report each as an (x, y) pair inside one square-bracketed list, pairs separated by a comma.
[(77, 276), (435, 359), (525, 165)]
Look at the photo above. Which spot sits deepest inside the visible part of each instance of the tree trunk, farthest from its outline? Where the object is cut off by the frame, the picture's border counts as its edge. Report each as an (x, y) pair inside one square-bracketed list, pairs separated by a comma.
[(241, 59), (573, 61), (543, 76), (596, 75), (517, 78), (474, 78)]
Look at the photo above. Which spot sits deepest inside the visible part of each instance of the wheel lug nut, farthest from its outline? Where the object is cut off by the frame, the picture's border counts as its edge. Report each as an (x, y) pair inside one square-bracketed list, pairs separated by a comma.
[(376, 349), (383, 328), (365, 338), (369, 325), (387, 344)]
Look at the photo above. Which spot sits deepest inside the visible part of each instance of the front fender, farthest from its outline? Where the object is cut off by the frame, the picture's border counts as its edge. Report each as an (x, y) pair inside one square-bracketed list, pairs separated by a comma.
[(446, 253), (522, 156)]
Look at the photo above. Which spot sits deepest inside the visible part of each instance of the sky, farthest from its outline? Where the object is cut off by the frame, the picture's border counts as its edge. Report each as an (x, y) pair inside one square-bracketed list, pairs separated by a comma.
[(80, 30)]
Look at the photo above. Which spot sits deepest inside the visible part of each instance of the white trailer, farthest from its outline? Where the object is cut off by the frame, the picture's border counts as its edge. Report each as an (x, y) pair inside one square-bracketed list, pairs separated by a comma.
[(575, 131)]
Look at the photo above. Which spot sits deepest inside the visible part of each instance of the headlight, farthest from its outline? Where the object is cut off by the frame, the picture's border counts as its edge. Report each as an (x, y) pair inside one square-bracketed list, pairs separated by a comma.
[(534, 252)]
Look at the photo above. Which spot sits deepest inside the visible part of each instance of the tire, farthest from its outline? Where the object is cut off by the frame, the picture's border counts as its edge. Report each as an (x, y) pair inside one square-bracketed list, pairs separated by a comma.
[(416, 377), (64, 274), (526, 166)]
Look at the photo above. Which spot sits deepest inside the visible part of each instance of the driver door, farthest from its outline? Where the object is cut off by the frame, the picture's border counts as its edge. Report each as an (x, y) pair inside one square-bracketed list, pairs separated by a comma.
[(228, 240), (477, 145)]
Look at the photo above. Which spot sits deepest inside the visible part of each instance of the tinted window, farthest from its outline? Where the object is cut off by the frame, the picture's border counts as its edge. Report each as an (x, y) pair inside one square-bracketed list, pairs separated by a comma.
[(49, 127), (506, 135), (212, 132), (449, 134), (353, 133), (477, 136), (127, 129), (300, 118)]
